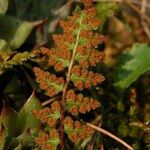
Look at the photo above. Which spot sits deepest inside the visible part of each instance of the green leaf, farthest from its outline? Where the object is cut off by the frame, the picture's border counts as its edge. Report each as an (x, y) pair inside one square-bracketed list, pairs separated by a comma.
[(26, 119), (14, 31), (8, 119), (23, 139), (3, 135), (63, 61), (131, 65), (3, 6), (85, 141), (17, 59), (77, 9), (58, 87), (4, 45), (12, 124), (36, 9), (106, 9)]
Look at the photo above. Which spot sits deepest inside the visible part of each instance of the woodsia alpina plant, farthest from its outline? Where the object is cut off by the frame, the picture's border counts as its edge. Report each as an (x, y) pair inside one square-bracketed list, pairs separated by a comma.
[(74, 54)]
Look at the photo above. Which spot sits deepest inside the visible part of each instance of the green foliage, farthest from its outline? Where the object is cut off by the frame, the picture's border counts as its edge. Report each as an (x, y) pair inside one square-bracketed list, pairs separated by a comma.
[(36, 9), (4, 45), (14, 31), (131, 65), (14, 124), (3, 6), (25, 117), (3, 134), (8, 121), (121, 113), (18, 59), (106, 9)]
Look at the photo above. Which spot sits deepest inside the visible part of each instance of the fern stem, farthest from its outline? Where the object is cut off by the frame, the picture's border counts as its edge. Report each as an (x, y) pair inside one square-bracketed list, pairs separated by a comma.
[(62, 102), (49, 101)]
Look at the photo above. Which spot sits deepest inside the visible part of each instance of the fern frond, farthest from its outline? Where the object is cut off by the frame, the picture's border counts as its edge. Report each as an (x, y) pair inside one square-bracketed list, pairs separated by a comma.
[(73, 55), (6, 62)]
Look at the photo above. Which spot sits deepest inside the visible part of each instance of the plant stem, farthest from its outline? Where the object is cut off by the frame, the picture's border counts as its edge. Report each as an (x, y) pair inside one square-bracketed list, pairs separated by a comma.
[(110, 135), (38, 22), (49, 101), (62, 102)]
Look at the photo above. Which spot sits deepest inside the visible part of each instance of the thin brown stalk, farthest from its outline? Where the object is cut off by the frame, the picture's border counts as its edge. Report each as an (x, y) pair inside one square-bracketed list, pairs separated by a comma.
[(110, 135), (38, 22), (49, 101)]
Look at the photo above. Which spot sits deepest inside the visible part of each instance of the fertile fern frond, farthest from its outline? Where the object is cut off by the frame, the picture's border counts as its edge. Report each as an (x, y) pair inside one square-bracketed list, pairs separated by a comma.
[(74, 54)]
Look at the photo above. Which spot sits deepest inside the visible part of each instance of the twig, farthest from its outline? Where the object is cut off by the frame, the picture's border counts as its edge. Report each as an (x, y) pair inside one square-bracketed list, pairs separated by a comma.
[(110, 135), (144, 23), (49, 101), (38, 22)]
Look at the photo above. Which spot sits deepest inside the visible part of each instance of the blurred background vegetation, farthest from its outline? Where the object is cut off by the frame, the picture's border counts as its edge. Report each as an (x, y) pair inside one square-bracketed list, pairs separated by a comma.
[(26, 25)]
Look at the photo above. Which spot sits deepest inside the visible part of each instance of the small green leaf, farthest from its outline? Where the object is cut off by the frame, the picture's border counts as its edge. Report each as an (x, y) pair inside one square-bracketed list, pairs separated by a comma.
[(3, 135), (4, 56), (75, 78), (82, 41), (131, 65), (14, 31), (25, 138), (56, 114), (3, 45), (58, 87), (17, 59), (63, 61), (106, 9), (3, 6), (8, 119), (78, 9), (26, 119), (54, 141), (85, 141)]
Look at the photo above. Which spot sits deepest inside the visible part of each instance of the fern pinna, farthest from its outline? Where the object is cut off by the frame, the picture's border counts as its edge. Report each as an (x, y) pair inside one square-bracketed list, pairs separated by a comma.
[(73, 55)]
